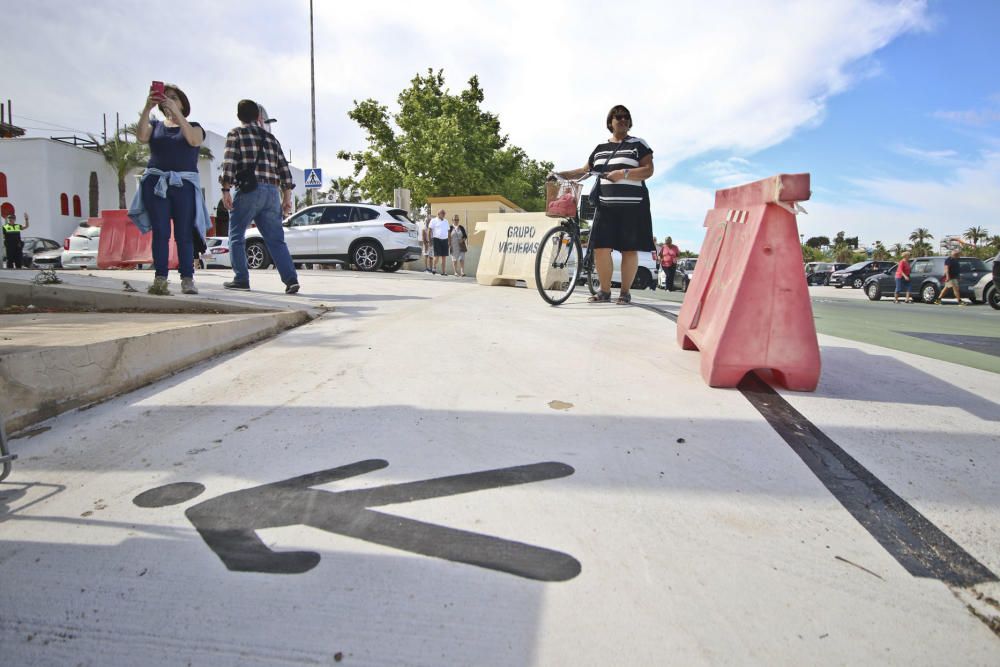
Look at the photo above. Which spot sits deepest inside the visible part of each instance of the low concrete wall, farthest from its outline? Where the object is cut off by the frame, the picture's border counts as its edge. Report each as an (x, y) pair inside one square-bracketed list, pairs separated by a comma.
[(22, 293), (43, 382)]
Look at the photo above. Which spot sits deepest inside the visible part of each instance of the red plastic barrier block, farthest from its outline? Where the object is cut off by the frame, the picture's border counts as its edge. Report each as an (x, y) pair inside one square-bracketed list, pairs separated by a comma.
[(123, 246), (746, 307)]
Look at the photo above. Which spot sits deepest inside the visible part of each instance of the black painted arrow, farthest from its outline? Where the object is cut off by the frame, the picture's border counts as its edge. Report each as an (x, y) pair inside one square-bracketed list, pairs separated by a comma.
[(228, 523)]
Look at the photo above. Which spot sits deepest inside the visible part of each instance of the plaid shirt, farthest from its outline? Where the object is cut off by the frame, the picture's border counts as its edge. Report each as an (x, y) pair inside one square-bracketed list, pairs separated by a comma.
[(242, 144)]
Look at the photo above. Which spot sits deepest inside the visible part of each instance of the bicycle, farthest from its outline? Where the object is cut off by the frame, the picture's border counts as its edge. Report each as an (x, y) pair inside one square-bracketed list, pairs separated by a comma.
[(560, 263)]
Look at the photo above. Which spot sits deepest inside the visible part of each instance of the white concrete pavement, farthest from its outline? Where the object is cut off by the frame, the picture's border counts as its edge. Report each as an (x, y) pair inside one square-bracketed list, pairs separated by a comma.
[(700, 536)]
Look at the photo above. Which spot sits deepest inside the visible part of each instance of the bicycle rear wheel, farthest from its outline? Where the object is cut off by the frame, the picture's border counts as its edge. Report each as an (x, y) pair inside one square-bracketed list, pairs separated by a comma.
[(557, 265)]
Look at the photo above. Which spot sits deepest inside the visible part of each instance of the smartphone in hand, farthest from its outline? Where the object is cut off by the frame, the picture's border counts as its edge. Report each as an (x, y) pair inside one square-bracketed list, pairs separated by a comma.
[(156, 88)]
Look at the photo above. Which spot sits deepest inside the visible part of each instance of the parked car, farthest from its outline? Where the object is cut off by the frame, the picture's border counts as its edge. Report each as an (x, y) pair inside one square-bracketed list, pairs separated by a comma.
[(368, 236), (818, 273), (856, 274), (48, 259), (80, 248), (216, 253), (986, 289), (927, 279), (34, 245), (682, 276)]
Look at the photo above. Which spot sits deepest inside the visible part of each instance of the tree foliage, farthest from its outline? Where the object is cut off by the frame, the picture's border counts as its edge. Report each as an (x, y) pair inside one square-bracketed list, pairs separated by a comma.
[(441, 144), (818, 241)]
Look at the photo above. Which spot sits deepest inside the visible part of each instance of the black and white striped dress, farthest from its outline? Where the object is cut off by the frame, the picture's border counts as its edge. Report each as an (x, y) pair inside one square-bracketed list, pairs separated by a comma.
[(623, 219)]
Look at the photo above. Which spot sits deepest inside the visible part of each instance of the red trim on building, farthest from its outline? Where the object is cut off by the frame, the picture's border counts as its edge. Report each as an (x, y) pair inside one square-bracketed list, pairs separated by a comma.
[(3, 184), (77, 207), (64, 204)]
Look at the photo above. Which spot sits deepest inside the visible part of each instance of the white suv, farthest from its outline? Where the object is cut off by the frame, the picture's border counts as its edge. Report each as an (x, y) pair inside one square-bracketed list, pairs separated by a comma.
[(80, 248), (369, 236)]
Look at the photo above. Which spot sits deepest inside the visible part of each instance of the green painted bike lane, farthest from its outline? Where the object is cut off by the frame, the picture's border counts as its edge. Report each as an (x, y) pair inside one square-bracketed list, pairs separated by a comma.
[(892, 325)]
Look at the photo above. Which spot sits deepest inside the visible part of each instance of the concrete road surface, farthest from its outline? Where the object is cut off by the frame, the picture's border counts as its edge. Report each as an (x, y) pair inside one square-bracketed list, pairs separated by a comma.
[(439, 473)]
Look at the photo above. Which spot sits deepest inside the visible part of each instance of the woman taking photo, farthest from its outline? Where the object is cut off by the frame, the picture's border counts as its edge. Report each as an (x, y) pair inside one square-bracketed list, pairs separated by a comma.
[(170, 188), (622, 221)]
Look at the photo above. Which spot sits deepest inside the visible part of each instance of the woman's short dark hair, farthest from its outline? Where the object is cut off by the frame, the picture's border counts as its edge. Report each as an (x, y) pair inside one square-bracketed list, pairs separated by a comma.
[(616, 109), (248, 111), (185, 105)]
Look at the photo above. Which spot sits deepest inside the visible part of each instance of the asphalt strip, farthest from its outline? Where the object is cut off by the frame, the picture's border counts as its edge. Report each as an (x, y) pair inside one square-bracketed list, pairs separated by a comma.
[(909, 537)]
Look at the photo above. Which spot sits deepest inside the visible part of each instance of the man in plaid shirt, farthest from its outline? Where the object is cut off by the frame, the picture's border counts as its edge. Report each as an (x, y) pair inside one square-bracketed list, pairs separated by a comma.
[(250, 145)]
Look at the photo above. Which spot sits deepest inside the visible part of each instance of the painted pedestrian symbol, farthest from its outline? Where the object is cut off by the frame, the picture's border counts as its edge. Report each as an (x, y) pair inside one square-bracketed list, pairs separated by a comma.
[(314, 178), (228, 523)]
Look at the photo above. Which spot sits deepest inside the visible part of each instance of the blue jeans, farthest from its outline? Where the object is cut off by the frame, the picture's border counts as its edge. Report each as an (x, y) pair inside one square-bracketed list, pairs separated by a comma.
[(178, 206), (263, 206)]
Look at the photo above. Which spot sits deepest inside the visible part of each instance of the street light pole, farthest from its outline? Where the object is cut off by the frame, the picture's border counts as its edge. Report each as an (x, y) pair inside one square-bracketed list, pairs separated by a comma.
[(312, 81)]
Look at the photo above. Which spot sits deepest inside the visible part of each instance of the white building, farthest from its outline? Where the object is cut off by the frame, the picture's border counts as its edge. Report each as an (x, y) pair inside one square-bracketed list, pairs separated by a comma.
[(50, 180)]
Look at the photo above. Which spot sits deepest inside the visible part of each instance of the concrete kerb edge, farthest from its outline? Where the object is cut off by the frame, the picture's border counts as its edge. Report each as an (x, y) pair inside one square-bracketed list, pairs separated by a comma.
[(22, 293), (39, 387)]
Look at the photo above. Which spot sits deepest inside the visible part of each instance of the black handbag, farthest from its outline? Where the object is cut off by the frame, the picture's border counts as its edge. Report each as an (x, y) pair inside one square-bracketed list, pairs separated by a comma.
[(595, 192), (245, 179)]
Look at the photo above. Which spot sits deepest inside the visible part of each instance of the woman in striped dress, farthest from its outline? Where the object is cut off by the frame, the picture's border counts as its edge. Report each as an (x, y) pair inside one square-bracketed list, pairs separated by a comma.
[(623, 221)]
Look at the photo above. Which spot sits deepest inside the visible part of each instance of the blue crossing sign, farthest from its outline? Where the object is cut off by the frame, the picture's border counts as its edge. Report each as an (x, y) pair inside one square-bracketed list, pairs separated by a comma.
[(314, 178)]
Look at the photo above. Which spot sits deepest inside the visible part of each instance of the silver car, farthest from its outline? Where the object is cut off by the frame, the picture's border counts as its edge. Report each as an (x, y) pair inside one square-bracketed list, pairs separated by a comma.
[(80, 249)]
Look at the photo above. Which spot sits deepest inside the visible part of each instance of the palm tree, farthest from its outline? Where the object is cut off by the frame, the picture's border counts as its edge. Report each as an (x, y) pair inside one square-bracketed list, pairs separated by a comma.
[(345, 189), (974, 234), (921, 235), (843, 253), (994, 242), (123, 156), (898, 249), (879, 252)]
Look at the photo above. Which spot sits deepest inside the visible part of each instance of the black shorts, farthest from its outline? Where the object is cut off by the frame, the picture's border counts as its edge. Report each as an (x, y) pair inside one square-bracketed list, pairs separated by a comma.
[(440, 247), (623, 228)]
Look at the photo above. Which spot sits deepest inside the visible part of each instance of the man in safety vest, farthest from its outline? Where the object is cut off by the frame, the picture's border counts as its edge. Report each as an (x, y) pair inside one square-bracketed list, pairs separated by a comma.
[(12, 242)]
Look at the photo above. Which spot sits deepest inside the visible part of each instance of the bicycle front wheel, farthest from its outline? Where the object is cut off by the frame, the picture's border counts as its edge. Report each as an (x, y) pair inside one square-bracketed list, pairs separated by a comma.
[(557, 265), (590, 273)]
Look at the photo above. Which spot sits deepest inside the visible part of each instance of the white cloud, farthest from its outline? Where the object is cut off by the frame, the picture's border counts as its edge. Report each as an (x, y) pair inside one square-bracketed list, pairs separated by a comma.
[(728, 172), (890, 209), (943, 156)]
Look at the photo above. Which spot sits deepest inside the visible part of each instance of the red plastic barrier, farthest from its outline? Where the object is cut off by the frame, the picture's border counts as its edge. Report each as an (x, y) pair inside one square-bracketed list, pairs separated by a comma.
[(747, 306), (123, 246)]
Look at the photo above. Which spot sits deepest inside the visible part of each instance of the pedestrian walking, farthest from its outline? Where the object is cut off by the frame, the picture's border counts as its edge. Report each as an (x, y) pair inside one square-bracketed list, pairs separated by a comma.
[(255, 164), (667, 256), (13, 244), (622, 221), (903, 278), (458, 245), (170, 188), (952, 274), (439, 238)]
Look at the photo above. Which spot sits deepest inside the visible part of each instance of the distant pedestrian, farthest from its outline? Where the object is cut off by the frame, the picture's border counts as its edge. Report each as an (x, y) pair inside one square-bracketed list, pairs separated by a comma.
[(458, 245), (667, 257), (170, 188), (256, 165), (952, 274), (439, 238), (424, 233), (903, 278), (12, 242)]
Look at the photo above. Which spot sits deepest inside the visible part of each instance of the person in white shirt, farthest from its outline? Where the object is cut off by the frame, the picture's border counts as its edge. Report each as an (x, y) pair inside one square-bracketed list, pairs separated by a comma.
[(439, 238), (423, 231)]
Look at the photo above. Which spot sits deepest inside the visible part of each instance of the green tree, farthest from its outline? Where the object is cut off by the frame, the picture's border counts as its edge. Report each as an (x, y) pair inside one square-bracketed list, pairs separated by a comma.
[(811, 254), (441, 144), (897, 250), (345, 189), (920, 235), (818, 241), (879, 252), (123, 156), (842, 252), (994, 242), (975, 234)]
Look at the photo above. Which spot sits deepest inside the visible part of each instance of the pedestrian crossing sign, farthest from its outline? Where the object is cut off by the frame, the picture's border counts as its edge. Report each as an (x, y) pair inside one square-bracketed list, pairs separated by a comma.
[(314, 178)]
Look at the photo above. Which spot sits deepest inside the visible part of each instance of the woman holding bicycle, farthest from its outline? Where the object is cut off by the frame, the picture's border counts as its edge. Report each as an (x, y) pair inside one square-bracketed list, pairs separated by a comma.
[(623, 221)]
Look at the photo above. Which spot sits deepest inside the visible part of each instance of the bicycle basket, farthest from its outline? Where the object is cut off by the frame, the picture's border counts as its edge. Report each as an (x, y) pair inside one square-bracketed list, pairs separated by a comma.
[(561, 198)]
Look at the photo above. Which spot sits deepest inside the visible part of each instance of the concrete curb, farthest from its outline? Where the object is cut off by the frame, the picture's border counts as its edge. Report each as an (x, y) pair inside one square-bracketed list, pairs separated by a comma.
[(47, 380), (22, 293)]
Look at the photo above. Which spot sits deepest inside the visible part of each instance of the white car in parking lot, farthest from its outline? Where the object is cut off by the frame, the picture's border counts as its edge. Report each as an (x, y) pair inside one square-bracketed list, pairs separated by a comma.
[(80, 248), (369, 236), (216, 253)]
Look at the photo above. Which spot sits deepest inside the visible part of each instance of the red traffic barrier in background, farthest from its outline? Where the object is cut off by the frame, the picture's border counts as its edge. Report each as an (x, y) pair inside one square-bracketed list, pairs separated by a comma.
[(123, 246), (747, 306)]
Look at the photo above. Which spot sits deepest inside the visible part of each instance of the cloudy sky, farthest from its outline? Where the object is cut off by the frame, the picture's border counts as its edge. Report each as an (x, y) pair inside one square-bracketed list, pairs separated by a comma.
[(892, 106)]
